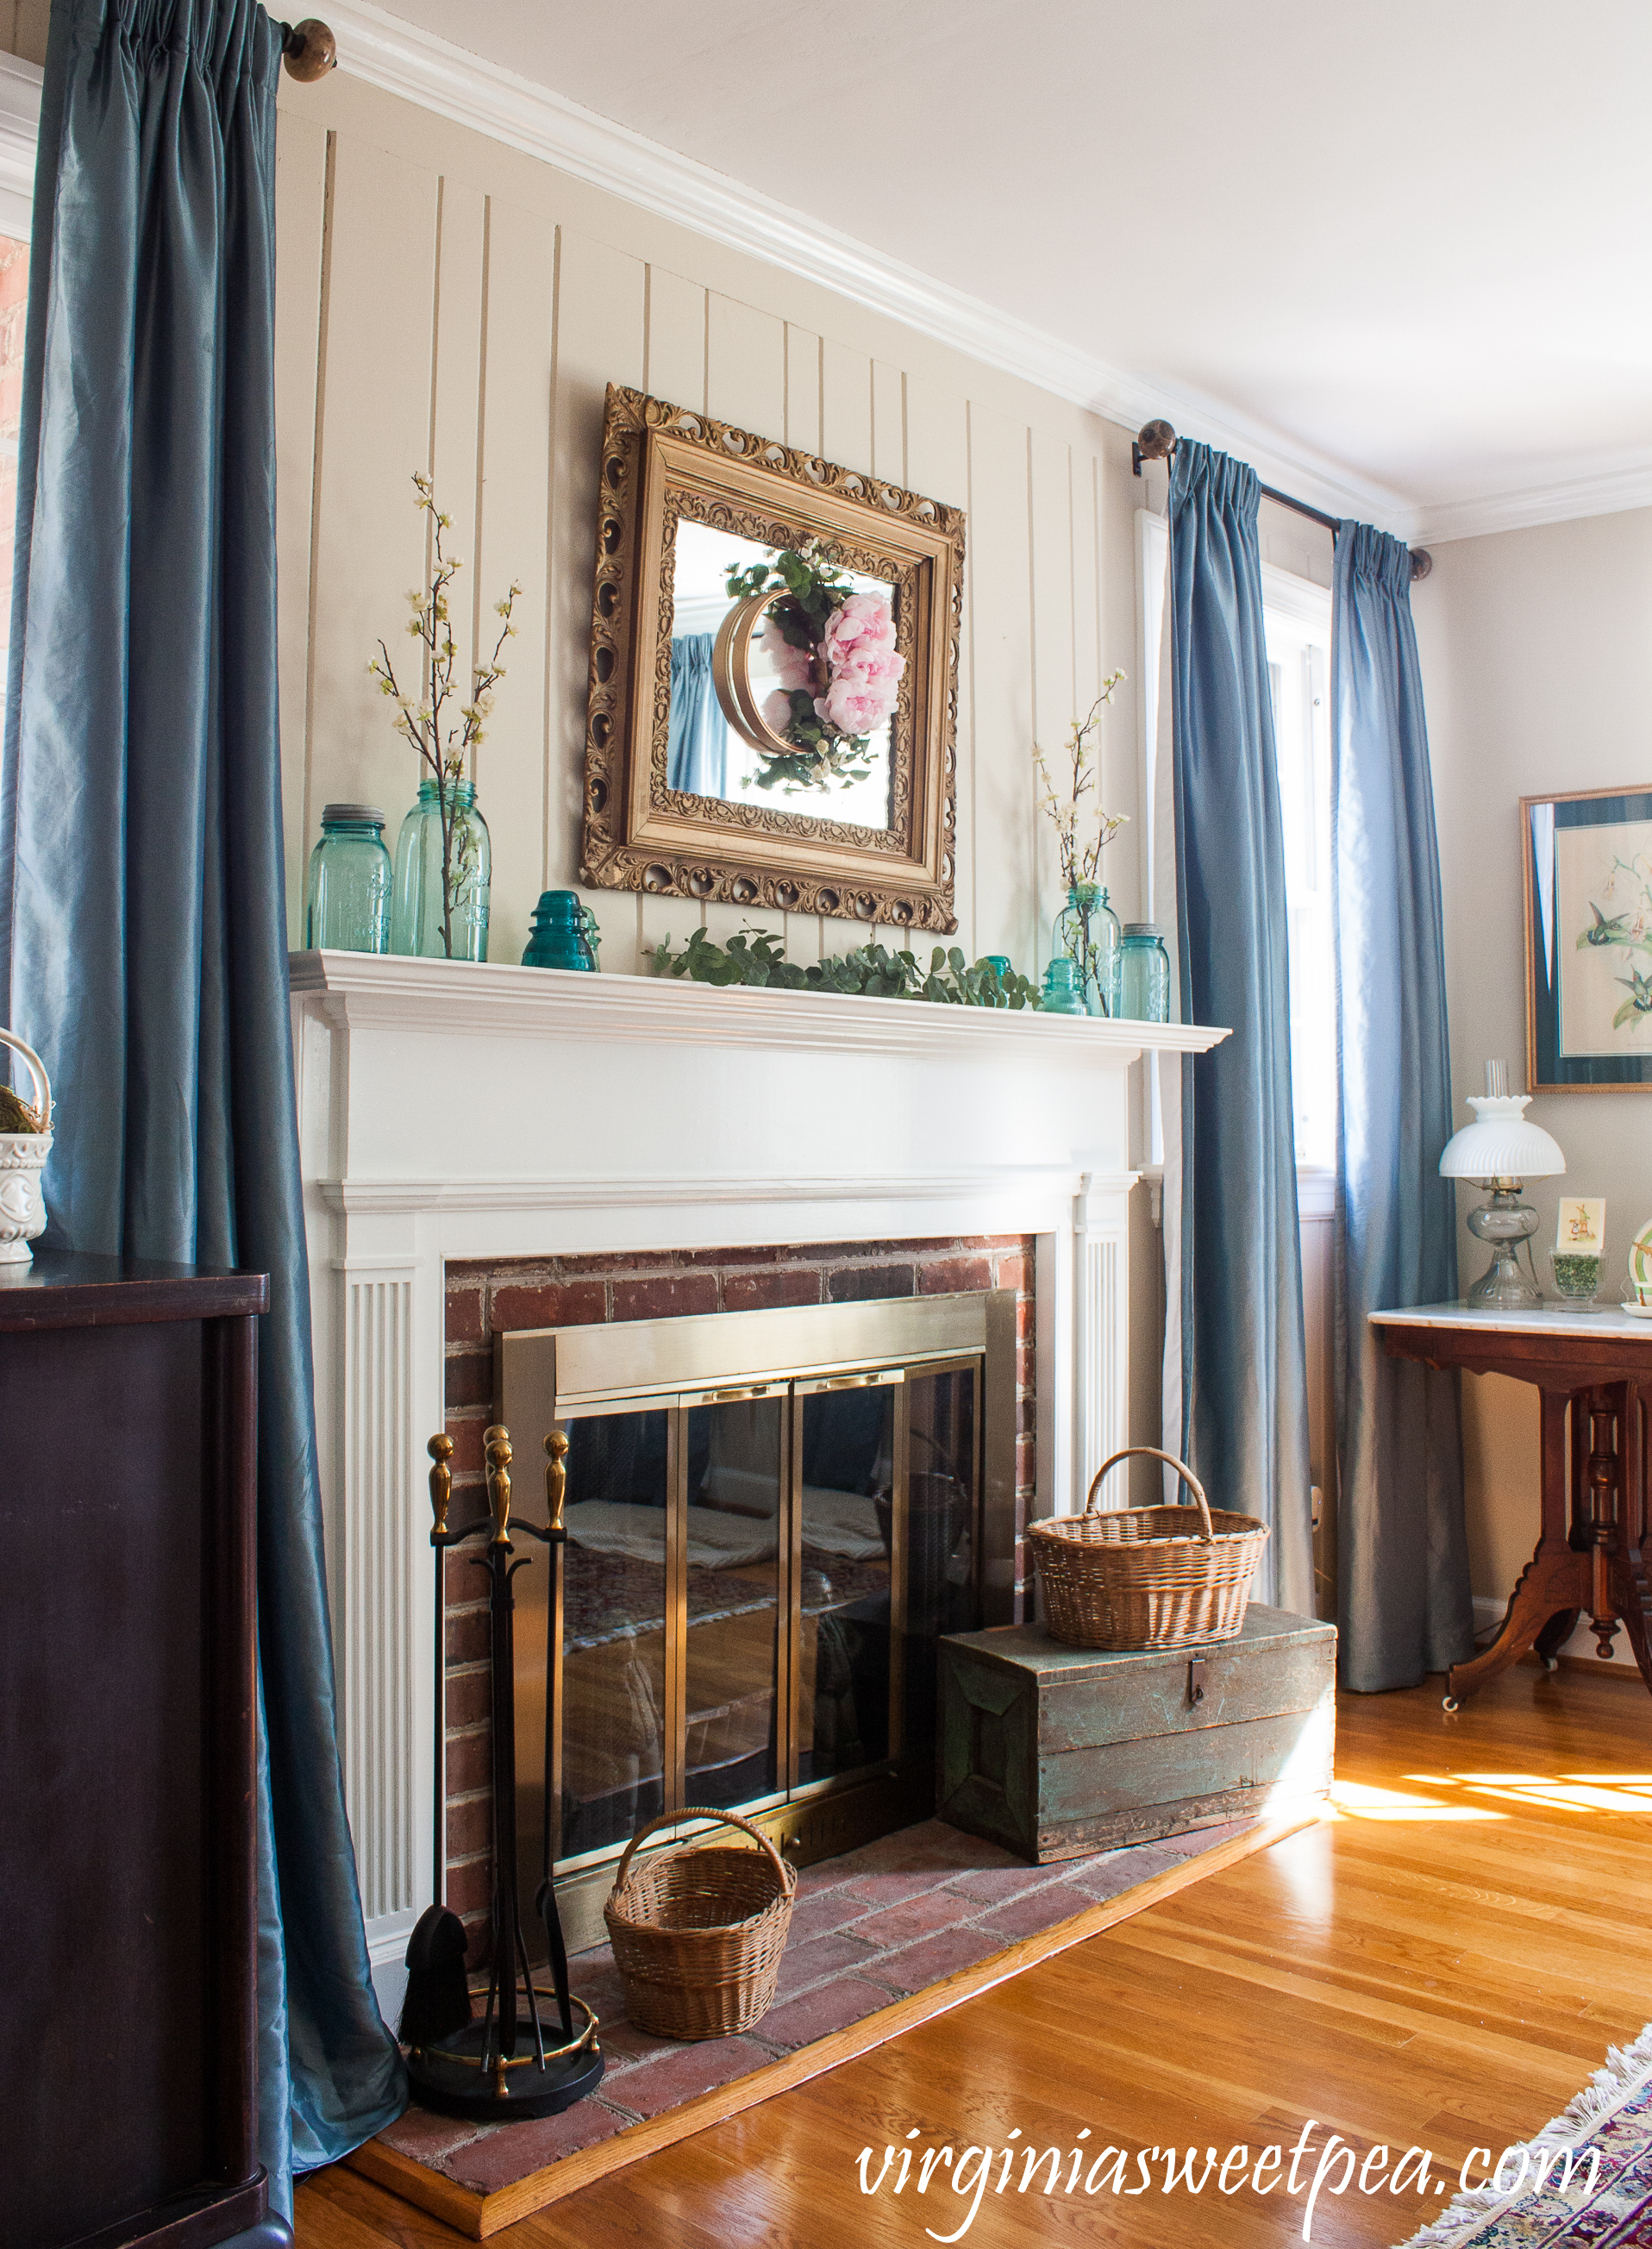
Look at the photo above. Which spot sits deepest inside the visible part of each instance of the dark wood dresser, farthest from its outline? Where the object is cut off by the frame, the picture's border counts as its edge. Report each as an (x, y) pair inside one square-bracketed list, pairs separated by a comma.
[(127, 1902)]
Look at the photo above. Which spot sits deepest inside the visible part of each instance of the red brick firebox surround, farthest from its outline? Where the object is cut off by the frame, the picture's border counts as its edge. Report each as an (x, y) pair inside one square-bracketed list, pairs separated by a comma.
[(486, 1299)]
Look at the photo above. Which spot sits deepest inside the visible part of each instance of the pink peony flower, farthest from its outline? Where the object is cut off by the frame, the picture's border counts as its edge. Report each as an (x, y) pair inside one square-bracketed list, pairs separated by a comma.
[(853, 708), (862, 628), (775, 709)]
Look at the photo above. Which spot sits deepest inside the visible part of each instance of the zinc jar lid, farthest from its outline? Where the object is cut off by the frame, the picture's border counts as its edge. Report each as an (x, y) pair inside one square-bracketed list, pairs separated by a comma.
[(1144, 929), (340, 815)]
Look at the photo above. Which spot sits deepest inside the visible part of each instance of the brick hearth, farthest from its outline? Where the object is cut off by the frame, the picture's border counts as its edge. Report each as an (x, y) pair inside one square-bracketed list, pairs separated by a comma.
[(485, 1299)]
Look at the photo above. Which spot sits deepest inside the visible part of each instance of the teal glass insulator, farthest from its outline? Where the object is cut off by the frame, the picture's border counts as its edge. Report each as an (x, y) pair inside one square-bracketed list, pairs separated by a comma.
[(425, 921), (999, 963), (559, 938), (593, 934), (1061, 995), (346, 895), (1144, 974), (1087, 933)]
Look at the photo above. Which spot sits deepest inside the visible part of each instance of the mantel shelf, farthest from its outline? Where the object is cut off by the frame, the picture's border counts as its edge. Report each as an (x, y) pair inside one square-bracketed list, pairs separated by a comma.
[(478, 998)]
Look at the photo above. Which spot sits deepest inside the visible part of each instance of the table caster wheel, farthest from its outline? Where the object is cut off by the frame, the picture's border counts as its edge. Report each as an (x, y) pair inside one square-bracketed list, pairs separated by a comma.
[(1449, 1702), (1550, 1663)]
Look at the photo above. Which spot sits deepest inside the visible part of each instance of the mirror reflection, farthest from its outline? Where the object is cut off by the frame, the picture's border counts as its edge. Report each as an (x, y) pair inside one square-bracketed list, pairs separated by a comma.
[(784, 679)]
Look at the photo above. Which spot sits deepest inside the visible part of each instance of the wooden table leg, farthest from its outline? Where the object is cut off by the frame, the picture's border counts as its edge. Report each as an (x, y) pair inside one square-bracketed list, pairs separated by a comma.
[(1554, 1580), (1631, 1590)]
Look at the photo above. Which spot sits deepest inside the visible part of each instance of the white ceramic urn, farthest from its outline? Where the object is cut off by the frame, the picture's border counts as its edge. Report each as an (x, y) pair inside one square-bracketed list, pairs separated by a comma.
[(23, 1161)]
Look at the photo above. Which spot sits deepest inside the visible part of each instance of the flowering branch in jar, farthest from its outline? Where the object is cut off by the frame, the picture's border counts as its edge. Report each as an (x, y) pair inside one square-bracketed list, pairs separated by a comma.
[(1081, 855), (444, 743)]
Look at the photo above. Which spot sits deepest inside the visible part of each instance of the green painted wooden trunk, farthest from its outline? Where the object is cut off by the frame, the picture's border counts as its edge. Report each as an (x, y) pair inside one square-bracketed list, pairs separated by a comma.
[(1055, 1750)]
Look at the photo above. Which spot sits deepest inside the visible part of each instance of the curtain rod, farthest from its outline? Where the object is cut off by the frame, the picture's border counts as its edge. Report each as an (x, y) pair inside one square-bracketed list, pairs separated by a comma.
[(1156, 441), (308, 50)]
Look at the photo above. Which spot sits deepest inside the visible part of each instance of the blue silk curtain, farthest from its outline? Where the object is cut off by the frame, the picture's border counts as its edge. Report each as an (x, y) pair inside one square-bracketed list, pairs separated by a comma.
[(1243, 1377), (697, 743), (141, 852), (1402, 1559)]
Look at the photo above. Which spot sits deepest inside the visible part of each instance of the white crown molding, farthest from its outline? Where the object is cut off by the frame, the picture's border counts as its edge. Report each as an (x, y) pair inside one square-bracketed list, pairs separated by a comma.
[(402, 58), (1610, 492)]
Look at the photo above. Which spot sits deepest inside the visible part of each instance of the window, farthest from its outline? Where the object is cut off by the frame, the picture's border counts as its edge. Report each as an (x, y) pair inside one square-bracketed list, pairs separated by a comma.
[(1297, 618), (1297, 614)]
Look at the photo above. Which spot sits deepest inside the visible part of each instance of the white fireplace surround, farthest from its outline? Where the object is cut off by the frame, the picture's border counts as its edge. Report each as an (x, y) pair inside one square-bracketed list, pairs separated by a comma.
[(451, 1111)]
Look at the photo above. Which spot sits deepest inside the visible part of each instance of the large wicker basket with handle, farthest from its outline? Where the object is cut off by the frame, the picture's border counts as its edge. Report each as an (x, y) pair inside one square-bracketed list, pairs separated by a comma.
[(698, 1933), (1141, 1577)]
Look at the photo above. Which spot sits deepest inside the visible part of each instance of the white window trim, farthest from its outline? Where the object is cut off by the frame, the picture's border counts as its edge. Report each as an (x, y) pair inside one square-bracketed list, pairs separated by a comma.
[(20, 85)]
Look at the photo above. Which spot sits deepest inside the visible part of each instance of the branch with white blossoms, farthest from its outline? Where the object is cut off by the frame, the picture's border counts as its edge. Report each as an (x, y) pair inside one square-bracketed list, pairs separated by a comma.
[(1081, 857), (444, 743)]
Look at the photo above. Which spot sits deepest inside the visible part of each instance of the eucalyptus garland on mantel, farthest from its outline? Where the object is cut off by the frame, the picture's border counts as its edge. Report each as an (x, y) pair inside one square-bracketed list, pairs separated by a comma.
[(756, 956)]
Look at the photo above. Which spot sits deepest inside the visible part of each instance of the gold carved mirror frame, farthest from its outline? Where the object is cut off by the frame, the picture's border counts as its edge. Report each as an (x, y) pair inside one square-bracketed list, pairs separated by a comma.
[(662, 464)]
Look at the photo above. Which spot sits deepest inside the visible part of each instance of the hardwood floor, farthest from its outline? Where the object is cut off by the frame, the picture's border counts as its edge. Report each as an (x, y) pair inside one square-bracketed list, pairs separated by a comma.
[(1441, 1965)]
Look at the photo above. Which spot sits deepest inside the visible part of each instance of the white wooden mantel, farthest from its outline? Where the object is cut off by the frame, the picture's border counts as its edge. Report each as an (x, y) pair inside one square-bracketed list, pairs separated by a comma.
[(452, 1110)]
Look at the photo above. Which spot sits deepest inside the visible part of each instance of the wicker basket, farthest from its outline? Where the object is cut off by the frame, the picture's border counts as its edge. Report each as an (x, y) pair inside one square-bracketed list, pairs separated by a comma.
[(1138, 1578), (698, 1934)]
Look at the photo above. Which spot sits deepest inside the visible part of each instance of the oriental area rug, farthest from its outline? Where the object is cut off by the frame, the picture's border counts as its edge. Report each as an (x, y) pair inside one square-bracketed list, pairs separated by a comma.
[(1584, 2182), (883, 1938)]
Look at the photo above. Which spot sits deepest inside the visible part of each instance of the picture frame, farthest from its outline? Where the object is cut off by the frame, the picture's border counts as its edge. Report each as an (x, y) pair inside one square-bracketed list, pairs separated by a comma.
[(664, 467), (1587, 880)]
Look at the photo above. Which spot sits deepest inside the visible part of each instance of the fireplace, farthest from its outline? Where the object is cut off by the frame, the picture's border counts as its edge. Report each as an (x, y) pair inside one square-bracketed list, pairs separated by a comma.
[(772, 1517), (455, 1117)]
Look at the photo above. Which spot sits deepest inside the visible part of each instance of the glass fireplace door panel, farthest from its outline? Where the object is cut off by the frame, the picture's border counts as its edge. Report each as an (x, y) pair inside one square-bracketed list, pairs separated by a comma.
[(847, 1457), (942, 1529), (735, 1571), (613, 1616)]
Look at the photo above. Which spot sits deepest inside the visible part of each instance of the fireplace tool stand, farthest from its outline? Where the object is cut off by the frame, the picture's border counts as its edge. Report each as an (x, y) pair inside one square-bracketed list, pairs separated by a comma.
[(503, 2065)]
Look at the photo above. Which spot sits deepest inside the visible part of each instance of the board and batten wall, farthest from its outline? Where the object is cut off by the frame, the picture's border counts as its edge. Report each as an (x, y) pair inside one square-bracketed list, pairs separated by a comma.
[(1530, 644), (444, 303)]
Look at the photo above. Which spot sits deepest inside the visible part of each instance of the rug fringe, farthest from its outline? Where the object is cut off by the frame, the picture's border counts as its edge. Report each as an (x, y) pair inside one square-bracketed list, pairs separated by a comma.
[(1624, 2072)]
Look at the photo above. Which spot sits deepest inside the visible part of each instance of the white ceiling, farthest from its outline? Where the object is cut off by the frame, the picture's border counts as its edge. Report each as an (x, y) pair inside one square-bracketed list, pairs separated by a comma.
[(1408, 243)]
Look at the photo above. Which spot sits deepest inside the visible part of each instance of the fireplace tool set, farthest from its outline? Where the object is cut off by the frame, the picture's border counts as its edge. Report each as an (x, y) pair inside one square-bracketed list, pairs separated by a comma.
[(502, 2065)]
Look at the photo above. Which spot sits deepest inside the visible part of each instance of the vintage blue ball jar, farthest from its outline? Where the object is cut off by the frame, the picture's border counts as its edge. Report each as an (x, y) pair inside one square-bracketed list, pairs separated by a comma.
[(347, 899)]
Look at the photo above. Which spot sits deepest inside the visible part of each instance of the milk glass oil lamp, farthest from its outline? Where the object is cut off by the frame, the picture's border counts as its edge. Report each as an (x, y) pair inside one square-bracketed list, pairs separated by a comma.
[(1502, 1151)]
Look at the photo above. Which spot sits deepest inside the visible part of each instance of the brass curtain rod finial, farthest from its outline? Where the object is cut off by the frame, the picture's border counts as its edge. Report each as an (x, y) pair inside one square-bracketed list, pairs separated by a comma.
[(1154, 441), (309, 49)]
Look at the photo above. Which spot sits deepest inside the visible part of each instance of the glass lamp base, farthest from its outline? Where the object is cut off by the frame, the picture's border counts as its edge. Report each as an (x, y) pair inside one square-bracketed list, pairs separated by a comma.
[(1503, 1287)]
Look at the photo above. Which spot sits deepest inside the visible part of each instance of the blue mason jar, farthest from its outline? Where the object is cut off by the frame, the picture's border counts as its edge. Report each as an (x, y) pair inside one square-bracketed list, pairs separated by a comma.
[(346, 896), (561, 934), (1144, 974), (1088, 933), (419, 924)]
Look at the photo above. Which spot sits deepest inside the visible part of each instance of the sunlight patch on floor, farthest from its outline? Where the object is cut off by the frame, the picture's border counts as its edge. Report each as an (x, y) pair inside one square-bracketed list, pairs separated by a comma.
[(1624, 1794), (1358, 1799)]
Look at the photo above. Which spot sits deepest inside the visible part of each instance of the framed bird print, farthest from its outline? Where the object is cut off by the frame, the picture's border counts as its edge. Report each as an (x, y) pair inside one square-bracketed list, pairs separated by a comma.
[(1588, 939)]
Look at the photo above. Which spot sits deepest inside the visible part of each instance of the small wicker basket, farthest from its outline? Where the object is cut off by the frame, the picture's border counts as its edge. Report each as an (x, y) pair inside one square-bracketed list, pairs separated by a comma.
[(1137, 1578), (698, 1934)]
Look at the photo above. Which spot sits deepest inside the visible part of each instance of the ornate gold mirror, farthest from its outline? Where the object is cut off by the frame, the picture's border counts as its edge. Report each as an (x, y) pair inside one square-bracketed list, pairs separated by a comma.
[(773, 681)]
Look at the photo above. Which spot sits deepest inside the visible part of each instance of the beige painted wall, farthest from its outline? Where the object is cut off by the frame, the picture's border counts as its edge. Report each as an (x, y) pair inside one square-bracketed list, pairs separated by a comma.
[(23, 25), (443, 302), (1532, 646)]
